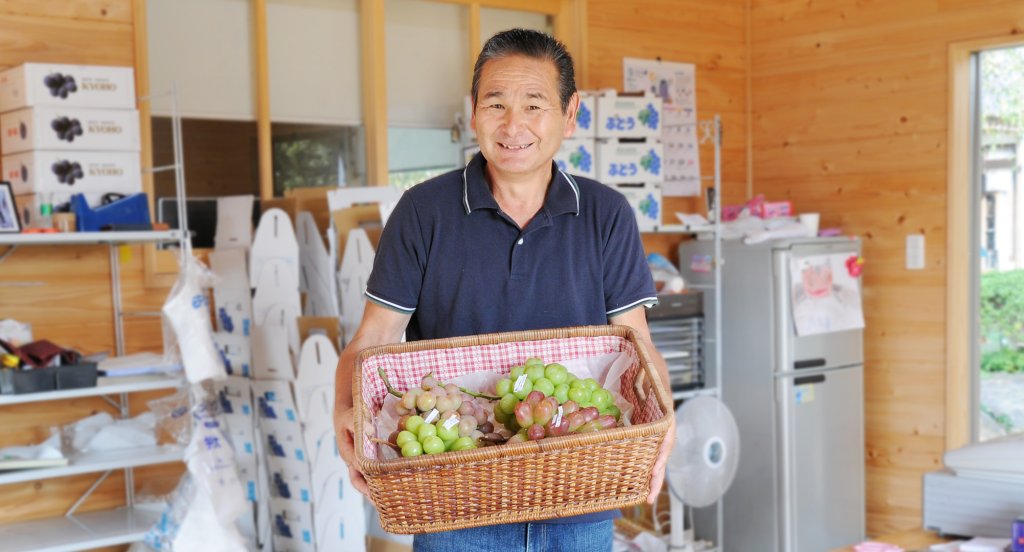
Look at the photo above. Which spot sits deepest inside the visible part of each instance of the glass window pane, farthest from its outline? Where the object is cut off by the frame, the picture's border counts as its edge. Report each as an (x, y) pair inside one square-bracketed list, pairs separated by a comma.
[(1000, 220)]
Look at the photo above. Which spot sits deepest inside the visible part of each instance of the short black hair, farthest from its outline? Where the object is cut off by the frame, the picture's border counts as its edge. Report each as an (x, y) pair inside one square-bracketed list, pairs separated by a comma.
[(532, 44)]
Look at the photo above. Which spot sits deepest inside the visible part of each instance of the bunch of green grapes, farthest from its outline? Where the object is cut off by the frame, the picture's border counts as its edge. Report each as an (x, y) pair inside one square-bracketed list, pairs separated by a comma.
[(416, 435)]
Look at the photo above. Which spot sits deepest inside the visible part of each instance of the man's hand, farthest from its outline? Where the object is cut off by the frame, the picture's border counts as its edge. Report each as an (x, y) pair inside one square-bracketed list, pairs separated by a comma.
[(658, 473), (344, 427)]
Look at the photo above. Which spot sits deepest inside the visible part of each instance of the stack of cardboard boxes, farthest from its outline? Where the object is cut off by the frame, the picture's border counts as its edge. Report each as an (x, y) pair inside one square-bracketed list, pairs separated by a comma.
[(618, 142), (68, 129)]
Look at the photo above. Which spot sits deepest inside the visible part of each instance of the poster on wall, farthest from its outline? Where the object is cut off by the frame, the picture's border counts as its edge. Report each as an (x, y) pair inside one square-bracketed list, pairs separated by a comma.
[(675, 84), (825, 297)]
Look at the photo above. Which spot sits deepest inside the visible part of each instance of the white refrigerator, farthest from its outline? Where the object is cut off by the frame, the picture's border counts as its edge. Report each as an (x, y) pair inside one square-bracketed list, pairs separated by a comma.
[(798, 397)]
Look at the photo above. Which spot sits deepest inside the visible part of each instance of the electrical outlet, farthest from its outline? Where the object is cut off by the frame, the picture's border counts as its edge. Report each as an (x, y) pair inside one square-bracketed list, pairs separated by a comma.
[(915, 252)]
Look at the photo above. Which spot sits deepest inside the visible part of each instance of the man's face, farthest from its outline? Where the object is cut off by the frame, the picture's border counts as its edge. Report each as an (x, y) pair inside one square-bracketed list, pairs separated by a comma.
[(518, 116)]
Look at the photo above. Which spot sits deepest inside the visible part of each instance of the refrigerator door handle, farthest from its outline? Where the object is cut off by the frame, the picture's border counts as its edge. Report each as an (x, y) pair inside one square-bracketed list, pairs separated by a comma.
[(809, 363), (808, 380)]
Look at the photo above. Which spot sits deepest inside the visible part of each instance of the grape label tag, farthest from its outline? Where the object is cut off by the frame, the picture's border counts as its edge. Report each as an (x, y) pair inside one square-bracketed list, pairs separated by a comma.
[(520, 383), (453, 420), (558, 417), (431, 416)]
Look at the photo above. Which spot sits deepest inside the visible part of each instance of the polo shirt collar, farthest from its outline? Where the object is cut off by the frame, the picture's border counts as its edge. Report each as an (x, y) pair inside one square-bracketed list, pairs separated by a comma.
[(563, 195)]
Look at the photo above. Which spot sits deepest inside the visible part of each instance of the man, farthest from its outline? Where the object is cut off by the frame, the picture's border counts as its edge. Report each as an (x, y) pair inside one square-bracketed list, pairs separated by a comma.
[(508, 243)]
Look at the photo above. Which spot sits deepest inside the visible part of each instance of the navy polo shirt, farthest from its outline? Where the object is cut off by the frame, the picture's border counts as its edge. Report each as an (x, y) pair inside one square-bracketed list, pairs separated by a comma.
[(460, 266)]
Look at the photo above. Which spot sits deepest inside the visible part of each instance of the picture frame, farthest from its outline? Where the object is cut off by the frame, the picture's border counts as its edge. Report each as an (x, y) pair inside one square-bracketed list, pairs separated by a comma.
[(10, 223)]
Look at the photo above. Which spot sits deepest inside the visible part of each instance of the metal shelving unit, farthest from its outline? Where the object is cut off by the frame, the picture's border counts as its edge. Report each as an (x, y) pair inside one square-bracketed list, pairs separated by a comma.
[(123, 525), (82, 532)]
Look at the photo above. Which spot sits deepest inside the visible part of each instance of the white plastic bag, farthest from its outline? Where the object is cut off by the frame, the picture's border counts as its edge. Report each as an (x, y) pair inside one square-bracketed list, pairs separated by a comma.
[(187, 314)]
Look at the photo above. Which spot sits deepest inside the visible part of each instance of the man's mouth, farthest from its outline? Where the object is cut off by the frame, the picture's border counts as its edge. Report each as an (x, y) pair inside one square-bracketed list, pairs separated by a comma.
[(514, 146)]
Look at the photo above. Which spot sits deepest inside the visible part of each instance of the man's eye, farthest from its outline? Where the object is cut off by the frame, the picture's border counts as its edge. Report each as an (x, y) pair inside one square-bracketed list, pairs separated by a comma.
[(533, 108), (496, 106)]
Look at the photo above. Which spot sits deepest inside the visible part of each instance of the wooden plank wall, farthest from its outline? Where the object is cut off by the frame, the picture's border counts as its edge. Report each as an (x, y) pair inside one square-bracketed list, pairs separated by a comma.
[(849, 119), (64, 291), (709, 34)]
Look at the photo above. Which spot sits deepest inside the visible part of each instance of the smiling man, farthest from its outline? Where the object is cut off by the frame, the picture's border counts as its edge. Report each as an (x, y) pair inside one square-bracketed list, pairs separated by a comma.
[(508, 243)]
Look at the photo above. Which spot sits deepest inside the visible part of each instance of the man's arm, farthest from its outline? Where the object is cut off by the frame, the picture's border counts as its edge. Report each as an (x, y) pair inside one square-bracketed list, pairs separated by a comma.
[(380, 325), (637, 319)]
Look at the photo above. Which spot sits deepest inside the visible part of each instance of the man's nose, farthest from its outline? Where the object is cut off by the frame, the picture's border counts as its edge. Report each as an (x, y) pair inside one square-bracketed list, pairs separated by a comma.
[(513, 120)]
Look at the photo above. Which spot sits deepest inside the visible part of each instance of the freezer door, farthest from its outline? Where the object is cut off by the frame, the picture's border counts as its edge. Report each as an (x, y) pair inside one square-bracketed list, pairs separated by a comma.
[(822, 464), (809, 352)]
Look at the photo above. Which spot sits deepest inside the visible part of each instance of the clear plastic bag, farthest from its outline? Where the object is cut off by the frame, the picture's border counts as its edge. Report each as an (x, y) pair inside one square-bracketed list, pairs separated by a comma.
[(187, 328)]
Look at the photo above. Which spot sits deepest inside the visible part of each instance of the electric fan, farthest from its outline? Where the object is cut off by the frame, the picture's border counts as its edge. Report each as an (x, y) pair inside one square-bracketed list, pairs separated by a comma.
[(703, 461)]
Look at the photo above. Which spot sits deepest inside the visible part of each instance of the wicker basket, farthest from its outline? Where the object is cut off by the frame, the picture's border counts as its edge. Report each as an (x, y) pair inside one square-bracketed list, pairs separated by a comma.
[(553, 477)]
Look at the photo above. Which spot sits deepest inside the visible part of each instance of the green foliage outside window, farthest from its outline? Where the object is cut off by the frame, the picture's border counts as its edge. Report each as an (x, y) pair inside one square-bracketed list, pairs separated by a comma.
[(1002, 321)]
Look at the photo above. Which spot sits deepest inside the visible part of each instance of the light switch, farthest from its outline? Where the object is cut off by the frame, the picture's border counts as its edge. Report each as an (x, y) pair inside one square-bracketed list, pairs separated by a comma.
[(915, 252)]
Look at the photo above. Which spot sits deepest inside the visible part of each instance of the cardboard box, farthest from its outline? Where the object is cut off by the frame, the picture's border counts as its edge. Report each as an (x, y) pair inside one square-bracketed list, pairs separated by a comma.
[(30, 205), (576, 156), (586, 117), (629, 162), (82, 172), (60, 128), (628, 116), (58, 85), (647, 204)]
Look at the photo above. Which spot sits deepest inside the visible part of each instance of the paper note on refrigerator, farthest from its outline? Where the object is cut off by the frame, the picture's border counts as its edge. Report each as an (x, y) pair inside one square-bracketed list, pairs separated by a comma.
[(825, 297)]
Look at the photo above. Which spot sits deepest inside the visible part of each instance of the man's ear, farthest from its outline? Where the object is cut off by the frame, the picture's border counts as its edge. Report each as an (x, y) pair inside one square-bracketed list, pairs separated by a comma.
[(472, 118), (570, 115)]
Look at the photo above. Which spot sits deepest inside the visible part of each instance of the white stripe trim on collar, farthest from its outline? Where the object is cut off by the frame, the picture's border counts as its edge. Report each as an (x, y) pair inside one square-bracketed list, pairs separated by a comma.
[(575, 188), (465, 191), (633, 304)]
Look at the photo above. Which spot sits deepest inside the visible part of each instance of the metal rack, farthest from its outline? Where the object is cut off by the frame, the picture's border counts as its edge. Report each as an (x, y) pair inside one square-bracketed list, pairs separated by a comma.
[(709, 131), (123, 525)]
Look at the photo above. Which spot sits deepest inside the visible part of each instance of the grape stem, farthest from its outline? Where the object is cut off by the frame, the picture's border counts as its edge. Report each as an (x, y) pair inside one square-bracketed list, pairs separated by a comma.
[(384, 377)]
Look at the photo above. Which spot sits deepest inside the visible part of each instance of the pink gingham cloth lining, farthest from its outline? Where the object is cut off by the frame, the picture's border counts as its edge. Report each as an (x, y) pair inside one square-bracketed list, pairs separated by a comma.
[(405, 370)]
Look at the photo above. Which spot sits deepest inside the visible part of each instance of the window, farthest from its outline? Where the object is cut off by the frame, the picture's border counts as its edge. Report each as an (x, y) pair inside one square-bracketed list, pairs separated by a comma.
[(999, 280)]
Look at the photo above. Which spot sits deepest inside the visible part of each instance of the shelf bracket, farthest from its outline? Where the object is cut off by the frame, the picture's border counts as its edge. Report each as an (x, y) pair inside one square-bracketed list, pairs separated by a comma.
[(85, 496), (7, 253)]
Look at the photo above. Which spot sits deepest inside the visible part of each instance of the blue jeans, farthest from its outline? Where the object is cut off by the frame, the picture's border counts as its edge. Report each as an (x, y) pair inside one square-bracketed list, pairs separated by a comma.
[(521, 537)]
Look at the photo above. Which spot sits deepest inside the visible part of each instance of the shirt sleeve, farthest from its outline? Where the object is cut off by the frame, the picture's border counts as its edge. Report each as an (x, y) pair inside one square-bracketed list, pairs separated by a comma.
[(400, 260), (627, 279)]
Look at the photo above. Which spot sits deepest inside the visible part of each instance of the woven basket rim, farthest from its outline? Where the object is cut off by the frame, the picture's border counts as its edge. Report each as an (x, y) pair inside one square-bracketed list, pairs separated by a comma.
[(467, 457)]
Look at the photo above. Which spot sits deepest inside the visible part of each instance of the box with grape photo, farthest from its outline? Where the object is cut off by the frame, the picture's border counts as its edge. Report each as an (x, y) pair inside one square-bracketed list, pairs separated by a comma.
[(576, 156), (586, 118), (628, 116), (43, 172), (60, 128), (48, 84), (581, 409), (629, 162)]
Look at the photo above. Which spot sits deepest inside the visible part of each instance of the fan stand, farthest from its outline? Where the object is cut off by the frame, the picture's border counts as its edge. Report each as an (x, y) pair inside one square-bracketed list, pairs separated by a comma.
[(680, 539)]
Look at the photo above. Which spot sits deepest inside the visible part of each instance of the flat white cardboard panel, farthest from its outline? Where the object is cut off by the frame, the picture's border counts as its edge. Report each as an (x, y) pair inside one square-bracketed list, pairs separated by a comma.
[(317, 364), (270, 358), (236, 352), (385, 196), (285, 315), (355, 270), (231, 294), (292, 524), (60, 128), (50, 84), (82, 172), (234, 222), (275, 240)]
